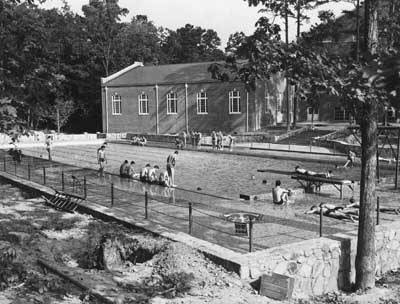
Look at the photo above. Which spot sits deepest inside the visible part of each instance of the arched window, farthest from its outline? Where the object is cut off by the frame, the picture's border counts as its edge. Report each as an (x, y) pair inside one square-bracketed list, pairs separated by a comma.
[(116, 104), (234, 102), (172, 103), (202, 106), (143, 104)]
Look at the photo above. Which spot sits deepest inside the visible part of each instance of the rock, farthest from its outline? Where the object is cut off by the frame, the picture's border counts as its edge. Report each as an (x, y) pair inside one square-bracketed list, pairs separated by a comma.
[(111, 253), (158, 300)]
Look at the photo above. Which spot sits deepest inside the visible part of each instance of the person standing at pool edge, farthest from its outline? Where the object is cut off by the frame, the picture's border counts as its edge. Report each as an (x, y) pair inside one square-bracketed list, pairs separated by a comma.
[(48, 146), (101, 159), (171, 161)]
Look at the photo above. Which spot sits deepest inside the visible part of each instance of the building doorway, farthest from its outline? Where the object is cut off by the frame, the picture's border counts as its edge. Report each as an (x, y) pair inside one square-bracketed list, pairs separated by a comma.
[(310, 111)]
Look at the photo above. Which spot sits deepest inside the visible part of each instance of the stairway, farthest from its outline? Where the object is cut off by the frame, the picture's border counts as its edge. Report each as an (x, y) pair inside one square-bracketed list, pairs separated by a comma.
[(63, 201)]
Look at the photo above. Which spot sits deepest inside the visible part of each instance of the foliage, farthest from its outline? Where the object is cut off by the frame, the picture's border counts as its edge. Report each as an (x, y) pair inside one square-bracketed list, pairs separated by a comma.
[(12, 272), (44, 284), (57, 223), (53, 59), (191, 44), (311, 70)]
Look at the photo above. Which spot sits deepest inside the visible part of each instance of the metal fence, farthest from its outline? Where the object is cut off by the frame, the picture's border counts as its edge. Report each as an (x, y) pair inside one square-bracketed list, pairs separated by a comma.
[(178, 214)]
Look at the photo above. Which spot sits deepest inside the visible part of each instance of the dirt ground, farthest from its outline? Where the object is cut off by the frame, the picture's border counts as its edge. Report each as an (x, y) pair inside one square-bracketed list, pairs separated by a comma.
[(141, 267), (126, 266)]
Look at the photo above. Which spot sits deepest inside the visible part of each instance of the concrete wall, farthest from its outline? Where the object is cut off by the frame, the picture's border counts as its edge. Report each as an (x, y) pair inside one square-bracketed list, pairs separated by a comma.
[(325, 264)]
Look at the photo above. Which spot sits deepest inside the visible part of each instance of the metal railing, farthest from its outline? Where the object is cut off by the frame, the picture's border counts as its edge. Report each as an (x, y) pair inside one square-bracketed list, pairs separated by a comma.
[(174, 213)]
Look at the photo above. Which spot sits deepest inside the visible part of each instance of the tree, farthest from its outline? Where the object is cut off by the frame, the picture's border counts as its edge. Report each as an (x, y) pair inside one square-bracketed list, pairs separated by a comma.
[(102, 27), (192, 44), (365, 259), (138, 40)]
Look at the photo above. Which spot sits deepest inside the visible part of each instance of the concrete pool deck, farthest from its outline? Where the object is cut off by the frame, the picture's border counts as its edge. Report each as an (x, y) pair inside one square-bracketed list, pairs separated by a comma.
[(281, 225)]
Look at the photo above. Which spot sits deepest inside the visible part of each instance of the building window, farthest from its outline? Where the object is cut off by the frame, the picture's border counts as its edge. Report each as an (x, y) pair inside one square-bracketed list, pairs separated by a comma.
[(202, 106), (143, 104), (234, 102), (172, 103), (341, 114), (116, 104)]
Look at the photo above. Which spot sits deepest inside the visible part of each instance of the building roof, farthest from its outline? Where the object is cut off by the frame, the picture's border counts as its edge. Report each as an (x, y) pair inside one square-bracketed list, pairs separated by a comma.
[(137, 74)]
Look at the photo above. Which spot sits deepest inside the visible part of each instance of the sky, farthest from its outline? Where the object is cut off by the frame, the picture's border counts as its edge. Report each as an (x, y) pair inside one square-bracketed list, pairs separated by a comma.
[(224, 16)]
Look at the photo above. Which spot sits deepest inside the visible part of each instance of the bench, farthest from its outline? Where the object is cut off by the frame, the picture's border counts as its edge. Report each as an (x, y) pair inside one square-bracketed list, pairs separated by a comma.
[(307, 181)]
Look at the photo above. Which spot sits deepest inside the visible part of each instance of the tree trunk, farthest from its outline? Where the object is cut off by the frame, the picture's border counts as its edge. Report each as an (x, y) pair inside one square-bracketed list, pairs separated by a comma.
[(365, 259), (287, 81), (298, 6), (358, 31)]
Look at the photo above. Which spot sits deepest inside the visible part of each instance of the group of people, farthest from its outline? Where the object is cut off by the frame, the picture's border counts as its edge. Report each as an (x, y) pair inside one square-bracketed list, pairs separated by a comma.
[(150, 174), (139, 141), (349, 212), (195, 138), (217, 139)]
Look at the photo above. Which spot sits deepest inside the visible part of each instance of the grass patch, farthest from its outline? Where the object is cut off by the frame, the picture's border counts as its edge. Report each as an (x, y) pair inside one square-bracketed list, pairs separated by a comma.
[(57, 223)]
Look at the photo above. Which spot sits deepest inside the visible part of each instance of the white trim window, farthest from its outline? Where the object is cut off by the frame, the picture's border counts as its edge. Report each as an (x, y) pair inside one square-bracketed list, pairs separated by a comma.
[(116, 104), (143, 104), (234, 102), (202, 103), (172, 103)]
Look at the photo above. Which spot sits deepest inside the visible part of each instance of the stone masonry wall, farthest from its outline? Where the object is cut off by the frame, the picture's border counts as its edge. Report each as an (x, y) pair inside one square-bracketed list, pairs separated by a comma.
[(325, 264)]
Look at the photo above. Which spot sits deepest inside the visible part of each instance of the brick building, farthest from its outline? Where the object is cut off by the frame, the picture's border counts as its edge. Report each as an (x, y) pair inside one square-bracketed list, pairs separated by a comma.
[(172, 98)]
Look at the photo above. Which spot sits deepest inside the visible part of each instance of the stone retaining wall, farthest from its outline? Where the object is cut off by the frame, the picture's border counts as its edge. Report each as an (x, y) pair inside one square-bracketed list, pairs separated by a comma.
[(325, 264)]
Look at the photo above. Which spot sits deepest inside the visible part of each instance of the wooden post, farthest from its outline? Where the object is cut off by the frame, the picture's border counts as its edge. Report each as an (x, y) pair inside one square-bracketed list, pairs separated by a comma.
[(44, 175), (321, 214), (112, 194), (15, 168), (29, 171), (62, 181), (310, 145), (5, 166), (289, 143), (190, 218), (146, 203), (397, 160), (377, 210), (251, 235), (84, 187)]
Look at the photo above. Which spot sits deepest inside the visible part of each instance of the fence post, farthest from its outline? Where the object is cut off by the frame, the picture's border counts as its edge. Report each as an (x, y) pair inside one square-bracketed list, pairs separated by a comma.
[(44, 175), (190, 218), (377, 210), (321, 214), (62, 181), (146, 203), (5, 166), (29, 171), (15, 168), (84, 187), (310, 145), (289, 143), (112, 194), (251, 235)]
